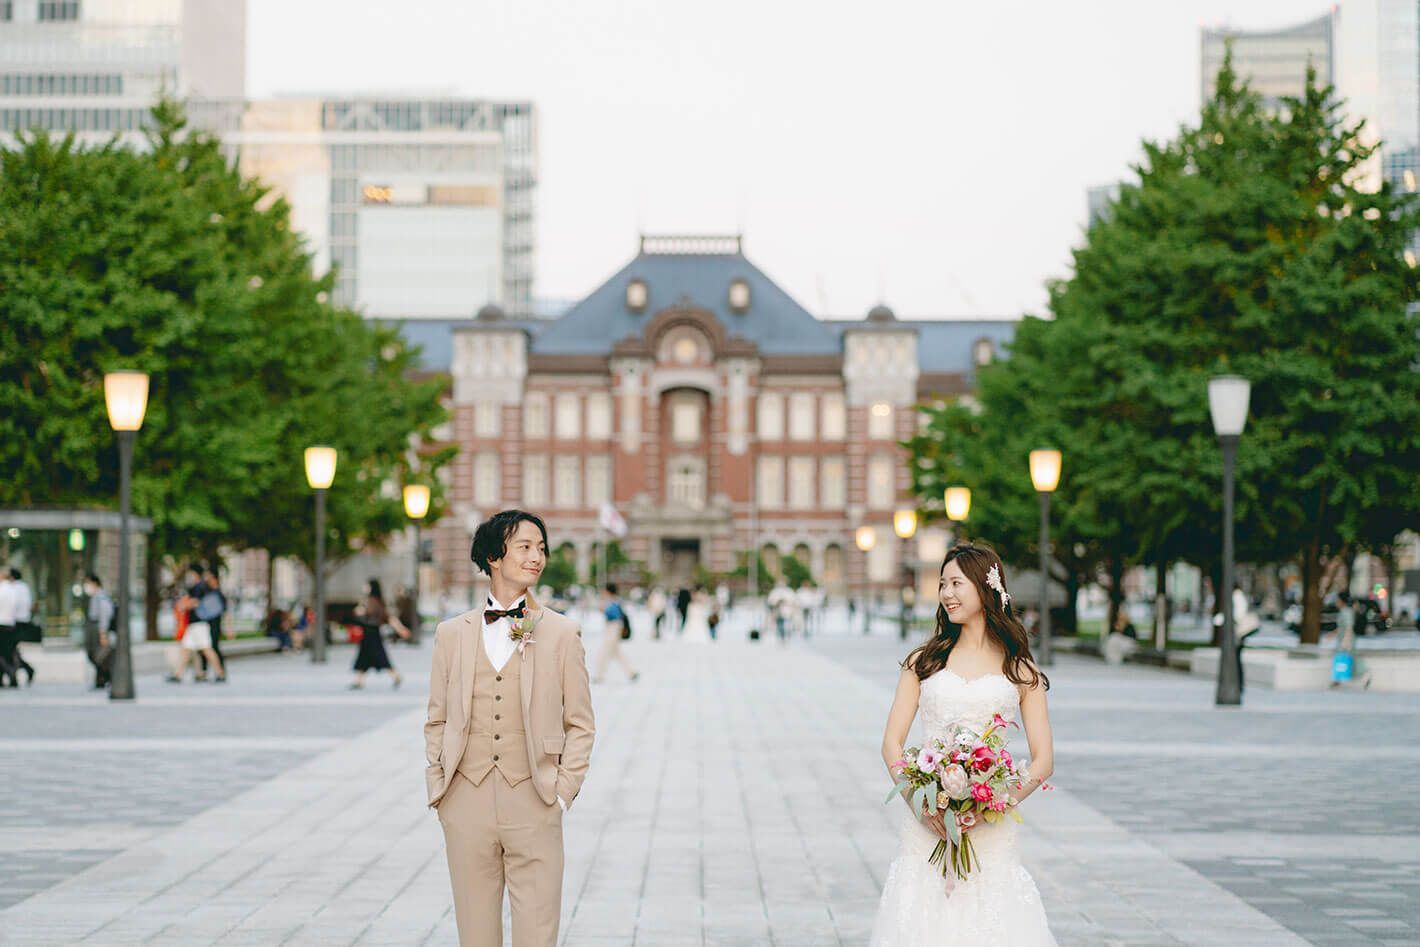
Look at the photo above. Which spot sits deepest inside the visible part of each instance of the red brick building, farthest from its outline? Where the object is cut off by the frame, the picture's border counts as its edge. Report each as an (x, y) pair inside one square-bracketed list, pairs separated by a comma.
[(714, 412)]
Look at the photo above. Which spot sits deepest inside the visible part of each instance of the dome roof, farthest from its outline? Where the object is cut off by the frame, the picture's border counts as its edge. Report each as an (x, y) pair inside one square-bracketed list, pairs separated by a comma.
[(881, 313), (491, 313)]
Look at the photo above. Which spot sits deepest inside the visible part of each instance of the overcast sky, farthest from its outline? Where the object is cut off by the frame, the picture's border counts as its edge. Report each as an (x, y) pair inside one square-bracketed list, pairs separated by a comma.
[(926, 153)]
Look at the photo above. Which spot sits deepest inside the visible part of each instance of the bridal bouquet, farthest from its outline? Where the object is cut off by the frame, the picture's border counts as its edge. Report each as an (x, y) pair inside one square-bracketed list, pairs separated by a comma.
[(969, 777)]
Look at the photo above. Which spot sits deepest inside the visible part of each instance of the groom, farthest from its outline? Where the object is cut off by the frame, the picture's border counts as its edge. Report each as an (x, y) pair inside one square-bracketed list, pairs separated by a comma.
[(508, 740)]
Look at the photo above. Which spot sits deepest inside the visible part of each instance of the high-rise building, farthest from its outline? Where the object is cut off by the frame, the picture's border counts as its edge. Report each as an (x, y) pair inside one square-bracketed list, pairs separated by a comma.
[(425, 206), (1274, 62), (96, 67), (1378, 74)]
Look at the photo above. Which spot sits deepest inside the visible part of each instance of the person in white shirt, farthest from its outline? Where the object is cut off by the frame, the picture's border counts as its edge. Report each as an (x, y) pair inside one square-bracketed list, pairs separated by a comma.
[(9, 608), (24, 629)]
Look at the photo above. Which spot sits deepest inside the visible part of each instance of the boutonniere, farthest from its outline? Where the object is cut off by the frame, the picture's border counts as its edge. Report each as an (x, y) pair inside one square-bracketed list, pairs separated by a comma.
[(521, 630)]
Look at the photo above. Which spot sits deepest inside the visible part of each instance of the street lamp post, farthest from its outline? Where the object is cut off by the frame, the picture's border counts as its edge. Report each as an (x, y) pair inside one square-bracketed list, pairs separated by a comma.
[(320, 473), (1045, 476), (866, 537), (126, 397), (904, 523), (958, 504), (416, 507), (1228, 397)]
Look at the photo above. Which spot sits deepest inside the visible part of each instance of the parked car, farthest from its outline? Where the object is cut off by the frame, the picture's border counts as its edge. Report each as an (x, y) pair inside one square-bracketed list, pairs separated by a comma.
[(1293, 617)]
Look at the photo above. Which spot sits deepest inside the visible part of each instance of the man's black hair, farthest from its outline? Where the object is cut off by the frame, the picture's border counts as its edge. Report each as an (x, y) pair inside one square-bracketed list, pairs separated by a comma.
[(14, 573), (91, 577), (611, 588), (490, 540)]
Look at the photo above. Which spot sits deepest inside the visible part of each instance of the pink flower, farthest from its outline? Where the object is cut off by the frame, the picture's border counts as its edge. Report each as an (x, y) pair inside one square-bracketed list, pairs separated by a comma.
[(998, 805), (1006, 759), (898, 765), (928, 759), (1001, 721), (982, 759), (981, 792), (966, 820), (960, 756)]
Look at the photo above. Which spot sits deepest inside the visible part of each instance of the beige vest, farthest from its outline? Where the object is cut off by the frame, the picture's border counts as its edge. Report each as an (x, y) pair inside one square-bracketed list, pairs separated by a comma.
[(495, 729)]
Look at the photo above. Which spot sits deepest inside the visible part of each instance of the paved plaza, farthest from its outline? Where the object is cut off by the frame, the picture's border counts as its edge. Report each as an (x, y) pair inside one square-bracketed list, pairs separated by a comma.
[(735, 797)]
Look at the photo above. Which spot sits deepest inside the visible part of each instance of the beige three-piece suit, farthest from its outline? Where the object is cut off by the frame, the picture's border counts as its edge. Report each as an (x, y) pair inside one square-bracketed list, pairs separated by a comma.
[(503, 747)]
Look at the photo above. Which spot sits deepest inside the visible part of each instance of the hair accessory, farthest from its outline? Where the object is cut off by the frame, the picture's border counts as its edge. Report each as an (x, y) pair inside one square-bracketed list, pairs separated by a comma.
[(993, 579)]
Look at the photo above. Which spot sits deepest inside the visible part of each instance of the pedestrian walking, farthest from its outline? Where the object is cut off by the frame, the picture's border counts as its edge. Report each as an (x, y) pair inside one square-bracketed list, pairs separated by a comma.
[(682, 606), (214, 610), (807, 600), (784, 605), (656, 604), (372, 655), (204, 606), (102, 623), (25, 627), (407, 608), (617, 630), (9, 636)]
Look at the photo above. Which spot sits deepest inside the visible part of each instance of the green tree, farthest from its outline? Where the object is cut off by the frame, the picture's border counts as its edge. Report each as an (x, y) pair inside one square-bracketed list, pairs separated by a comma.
[(168, 261), (1245, 246)]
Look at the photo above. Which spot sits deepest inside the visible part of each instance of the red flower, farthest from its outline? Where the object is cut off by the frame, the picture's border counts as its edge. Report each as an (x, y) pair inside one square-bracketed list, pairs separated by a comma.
[(982, 759), (981, 792)]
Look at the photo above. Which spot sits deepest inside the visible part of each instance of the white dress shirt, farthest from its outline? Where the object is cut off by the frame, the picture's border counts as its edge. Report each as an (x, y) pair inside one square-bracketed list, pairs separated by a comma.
[(497, 636), (9, 603), (498, 643), (24, 602)]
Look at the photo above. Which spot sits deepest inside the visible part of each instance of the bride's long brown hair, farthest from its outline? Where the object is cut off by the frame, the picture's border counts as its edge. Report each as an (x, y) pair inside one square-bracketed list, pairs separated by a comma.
[(975, 561)]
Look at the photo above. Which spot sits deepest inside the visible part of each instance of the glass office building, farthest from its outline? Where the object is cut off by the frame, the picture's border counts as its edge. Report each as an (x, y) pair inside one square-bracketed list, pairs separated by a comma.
[(1274, 62)]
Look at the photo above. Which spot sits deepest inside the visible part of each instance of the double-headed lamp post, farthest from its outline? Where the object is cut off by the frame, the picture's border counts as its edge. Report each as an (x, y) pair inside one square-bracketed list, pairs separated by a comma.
[(904, 523), (958, 503), (1045, 477), (416, 507), (320, 473), (126, 397), (866, 537), (1228, 397)]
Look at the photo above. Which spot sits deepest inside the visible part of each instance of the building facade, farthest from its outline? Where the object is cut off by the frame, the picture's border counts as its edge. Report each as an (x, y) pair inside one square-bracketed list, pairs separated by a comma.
[(97, 67), (424, 205), (714, 412), (1273, 62)]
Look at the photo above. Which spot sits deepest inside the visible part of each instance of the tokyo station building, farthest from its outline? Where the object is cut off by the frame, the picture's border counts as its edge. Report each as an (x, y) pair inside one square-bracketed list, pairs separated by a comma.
[(714, 412)]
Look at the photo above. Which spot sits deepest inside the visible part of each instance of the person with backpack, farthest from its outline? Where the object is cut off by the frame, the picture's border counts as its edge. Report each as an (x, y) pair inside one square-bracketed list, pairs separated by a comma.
[(214, 605), (616, 630), (102, 624)]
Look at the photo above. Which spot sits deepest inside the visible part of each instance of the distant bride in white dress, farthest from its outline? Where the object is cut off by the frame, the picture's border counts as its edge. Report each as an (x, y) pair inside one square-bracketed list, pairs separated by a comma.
[(976, 665), (697, 618)]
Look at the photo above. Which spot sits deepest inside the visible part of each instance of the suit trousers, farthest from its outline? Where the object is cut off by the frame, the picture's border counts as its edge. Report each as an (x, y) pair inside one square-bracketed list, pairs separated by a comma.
[(496, 834)]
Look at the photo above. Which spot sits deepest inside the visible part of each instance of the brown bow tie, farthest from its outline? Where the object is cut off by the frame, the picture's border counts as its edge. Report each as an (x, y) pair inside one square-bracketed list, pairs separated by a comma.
[(490, 615)]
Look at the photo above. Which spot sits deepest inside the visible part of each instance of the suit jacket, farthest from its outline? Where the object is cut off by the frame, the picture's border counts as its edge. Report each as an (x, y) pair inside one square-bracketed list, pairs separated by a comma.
[(557, 703)]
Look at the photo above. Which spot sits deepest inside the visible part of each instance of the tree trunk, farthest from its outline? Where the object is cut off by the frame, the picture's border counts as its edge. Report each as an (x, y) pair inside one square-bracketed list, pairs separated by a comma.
[(1311, 592), (1116, 594), (270, 582), (152, 597), (1071, 623), (1215, 579), (1161, 604)]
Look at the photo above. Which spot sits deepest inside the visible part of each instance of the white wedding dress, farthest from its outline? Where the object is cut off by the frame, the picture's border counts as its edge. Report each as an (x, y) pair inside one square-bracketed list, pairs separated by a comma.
[(998, 902), (697, 623)]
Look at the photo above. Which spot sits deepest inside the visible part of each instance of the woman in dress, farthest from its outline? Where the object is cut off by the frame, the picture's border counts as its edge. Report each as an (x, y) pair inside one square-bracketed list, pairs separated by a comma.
[(976, 665), (372, 655), (697, 618)]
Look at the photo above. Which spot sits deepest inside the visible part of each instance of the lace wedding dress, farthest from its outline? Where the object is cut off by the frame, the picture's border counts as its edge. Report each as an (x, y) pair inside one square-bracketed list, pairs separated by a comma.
[(998, 903)]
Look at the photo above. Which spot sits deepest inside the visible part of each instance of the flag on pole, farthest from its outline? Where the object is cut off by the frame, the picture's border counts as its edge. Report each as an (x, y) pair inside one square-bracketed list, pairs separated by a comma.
[(612, 521)]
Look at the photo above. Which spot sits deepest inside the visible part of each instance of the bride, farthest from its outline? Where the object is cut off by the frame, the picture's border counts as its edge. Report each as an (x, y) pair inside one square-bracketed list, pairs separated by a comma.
[(976, 665), (697, 618)]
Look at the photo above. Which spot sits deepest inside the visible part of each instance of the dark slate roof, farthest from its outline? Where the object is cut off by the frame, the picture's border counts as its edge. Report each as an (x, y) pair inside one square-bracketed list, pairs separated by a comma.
[(774, 321), (435, 337), (943, 345)]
